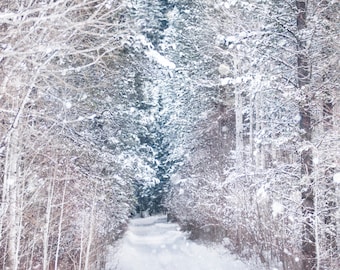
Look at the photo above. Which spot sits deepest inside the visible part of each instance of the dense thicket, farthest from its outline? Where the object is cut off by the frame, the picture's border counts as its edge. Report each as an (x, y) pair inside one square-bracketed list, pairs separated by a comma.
[(67, 138), (224, 113), (263, 179)]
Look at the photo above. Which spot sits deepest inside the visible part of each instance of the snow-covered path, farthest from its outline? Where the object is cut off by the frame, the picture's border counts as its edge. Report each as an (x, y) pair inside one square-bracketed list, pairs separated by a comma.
[(153, 244)]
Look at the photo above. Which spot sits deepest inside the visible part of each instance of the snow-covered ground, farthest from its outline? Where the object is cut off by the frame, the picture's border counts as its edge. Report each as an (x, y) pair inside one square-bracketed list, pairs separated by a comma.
[(153, 244)]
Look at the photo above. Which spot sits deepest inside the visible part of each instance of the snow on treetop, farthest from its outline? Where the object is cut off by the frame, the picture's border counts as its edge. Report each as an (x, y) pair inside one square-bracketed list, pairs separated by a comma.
[(144, 41), (173, 14), (160, 59), (153, 54)]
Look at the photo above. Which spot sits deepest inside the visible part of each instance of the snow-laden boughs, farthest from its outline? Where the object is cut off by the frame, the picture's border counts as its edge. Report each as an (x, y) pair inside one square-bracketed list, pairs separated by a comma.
[(251, 158), (221, 112), (64, 193)]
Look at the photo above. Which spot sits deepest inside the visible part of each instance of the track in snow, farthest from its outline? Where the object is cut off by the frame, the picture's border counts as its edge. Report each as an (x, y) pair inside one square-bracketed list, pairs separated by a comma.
[(153, 244)]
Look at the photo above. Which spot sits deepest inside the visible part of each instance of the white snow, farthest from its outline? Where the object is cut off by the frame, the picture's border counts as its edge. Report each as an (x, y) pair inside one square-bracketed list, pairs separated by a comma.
[(226, 81), (108, 4), (83, 97), (336, 178), (224, 70), (230, 4), (231, 39), (297, 118), (153, 54), (68, 104), (144, 41), (277, 208), (261, 193), (153, 244), (173, 14), (160, 59)]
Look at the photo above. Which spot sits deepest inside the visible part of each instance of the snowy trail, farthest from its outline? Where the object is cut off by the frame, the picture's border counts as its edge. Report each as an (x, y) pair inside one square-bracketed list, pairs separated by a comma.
[(153, 244)]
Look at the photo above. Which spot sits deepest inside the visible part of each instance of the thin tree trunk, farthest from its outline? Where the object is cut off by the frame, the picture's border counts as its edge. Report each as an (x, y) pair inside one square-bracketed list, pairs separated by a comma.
[(89, 243), (239, 147), (309, 261), (239, 129), (330, 220), (34, 240), (60, 227), (259, 125), (50, 192), (81, 251), (11, 180)]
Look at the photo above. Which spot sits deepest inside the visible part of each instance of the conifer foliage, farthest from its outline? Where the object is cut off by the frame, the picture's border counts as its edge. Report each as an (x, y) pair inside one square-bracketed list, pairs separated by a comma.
[(223, 113), (266, 171)]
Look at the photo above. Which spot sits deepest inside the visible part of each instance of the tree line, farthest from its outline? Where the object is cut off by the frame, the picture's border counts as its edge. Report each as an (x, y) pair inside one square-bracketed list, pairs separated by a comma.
[(223, 113), (260, 166)]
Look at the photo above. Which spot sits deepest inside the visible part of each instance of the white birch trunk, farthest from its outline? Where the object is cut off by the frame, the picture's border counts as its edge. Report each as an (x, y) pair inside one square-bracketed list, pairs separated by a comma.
[(239, 128), (336, 119), (81, 246), (336, 126), (50, 192), (259, 157), (11, 181), (34, 240), (89, 243), (5, 192), (60, 227), (252, 120)]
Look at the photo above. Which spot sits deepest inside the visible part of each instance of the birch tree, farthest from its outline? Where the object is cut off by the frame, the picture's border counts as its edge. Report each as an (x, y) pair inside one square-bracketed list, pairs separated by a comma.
[(279, 135), (48, 48)]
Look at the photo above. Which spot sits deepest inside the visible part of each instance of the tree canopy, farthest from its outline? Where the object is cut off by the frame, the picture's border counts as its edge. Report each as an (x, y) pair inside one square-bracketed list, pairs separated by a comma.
[(224, 114)]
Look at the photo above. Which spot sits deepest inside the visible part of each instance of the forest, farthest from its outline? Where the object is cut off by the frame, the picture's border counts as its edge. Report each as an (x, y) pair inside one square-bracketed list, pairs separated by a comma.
[(224, 114)]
